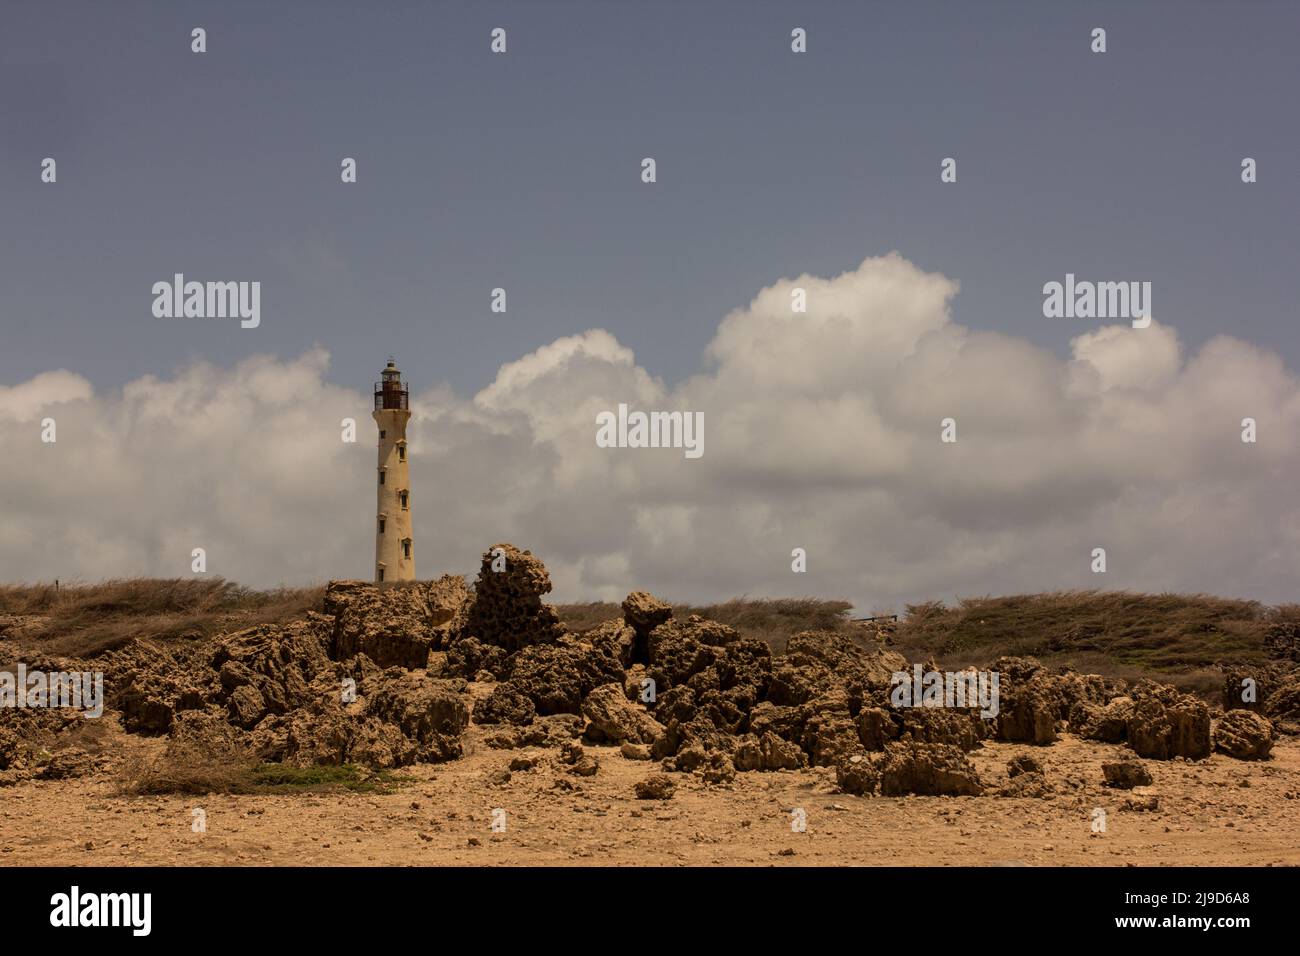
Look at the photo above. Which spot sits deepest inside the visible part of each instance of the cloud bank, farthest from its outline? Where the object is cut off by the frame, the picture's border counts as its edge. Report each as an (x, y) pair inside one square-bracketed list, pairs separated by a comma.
[(822, 432)]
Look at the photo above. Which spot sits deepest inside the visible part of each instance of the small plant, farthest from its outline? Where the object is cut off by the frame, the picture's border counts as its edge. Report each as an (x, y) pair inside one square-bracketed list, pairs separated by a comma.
[(285, 778)]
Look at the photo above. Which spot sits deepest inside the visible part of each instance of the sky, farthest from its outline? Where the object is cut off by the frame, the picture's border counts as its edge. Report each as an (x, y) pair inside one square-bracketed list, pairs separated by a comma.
[(523, 171)]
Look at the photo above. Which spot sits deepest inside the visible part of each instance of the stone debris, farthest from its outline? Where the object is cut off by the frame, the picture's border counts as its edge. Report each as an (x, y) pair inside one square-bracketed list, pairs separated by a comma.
[(1126, 774), (657, 786), (613, 719), (507, 608), (388, 676), (1165, 723), (927, 769), (395, 626), (1244, 735)]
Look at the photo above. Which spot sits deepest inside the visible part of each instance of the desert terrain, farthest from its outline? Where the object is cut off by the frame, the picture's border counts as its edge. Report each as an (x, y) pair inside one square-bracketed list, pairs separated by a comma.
[(447, 724), (1214, 812)]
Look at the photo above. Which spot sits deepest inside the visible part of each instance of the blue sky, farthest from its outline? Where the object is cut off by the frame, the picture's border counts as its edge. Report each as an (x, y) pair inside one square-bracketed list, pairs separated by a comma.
[(521, 171)]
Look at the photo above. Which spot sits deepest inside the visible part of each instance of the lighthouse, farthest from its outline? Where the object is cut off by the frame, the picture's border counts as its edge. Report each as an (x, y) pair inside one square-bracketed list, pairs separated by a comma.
[(394, 547)]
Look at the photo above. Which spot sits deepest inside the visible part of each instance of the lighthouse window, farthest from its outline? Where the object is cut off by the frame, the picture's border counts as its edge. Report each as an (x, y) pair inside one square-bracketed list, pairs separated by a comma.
[(403, 497), (382, 433), (381, 525), (381, 574), (401, 453), (381, 477), (406, 548)]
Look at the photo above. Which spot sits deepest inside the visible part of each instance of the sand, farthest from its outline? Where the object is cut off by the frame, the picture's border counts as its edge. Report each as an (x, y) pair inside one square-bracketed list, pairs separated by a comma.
[(1215, 812)]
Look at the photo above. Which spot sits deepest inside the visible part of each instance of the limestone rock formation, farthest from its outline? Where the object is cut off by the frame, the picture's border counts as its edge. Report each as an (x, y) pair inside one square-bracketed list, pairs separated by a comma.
[(507, 608), (380, 679), (1104, 722), (1244, 735), (1126, 774), (507, 704), (643, 612), (657, 786), (768, 752), (856, 774), (396, 625), (558, 676), (1165, 724), (1028, 706), (928, 770), (615, 719)]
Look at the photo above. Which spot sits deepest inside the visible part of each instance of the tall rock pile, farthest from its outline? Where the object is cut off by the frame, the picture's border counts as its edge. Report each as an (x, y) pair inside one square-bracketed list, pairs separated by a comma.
[(507, 610), (397, 625)]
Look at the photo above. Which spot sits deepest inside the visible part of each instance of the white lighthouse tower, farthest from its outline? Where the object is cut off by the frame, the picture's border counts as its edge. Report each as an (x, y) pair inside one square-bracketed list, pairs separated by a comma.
[(394, 545)]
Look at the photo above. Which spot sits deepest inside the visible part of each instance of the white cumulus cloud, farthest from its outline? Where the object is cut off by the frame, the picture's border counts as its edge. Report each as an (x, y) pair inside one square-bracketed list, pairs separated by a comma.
[(822, 431)]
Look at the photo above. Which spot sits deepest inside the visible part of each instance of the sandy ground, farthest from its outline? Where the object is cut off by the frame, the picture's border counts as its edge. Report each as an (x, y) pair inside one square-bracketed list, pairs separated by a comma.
[(1216, 812)]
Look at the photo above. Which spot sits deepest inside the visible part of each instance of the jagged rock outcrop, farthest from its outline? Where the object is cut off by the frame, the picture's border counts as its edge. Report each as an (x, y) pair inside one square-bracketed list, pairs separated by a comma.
[(398, 718), (558, 676), (1271, 688), (1165, 723), (857, 774), (1282, 642), (644, 612), (619, 641), (687, 740), (1248, 687), (615, 719), (1126, 774), (959, 727), (24, 736), (552, 731), (1028, 701), (1244, 735), (1283, 705), (394, 625), (927, 769), (380, 679), (507, 608), (149, 683), (270, 668), (468, 657), (1104, 722), (507, 704), (768, 752), (431, 713), (716, 768), (829, 732)]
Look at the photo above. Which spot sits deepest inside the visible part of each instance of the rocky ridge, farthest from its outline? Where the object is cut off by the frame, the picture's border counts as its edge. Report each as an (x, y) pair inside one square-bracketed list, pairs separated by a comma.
[(387, 676)]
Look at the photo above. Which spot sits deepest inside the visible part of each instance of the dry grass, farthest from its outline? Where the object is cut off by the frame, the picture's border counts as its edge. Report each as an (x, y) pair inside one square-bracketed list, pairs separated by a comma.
[(83, 620), (1112, 632), (774, 620), (1178, 638), (206, 755), (1109, 632), (189, 766)]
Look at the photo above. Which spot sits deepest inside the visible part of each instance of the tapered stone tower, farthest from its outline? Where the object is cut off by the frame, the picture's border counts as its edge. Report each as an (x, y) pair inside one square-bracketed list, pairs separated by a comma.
[(394, 545)]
